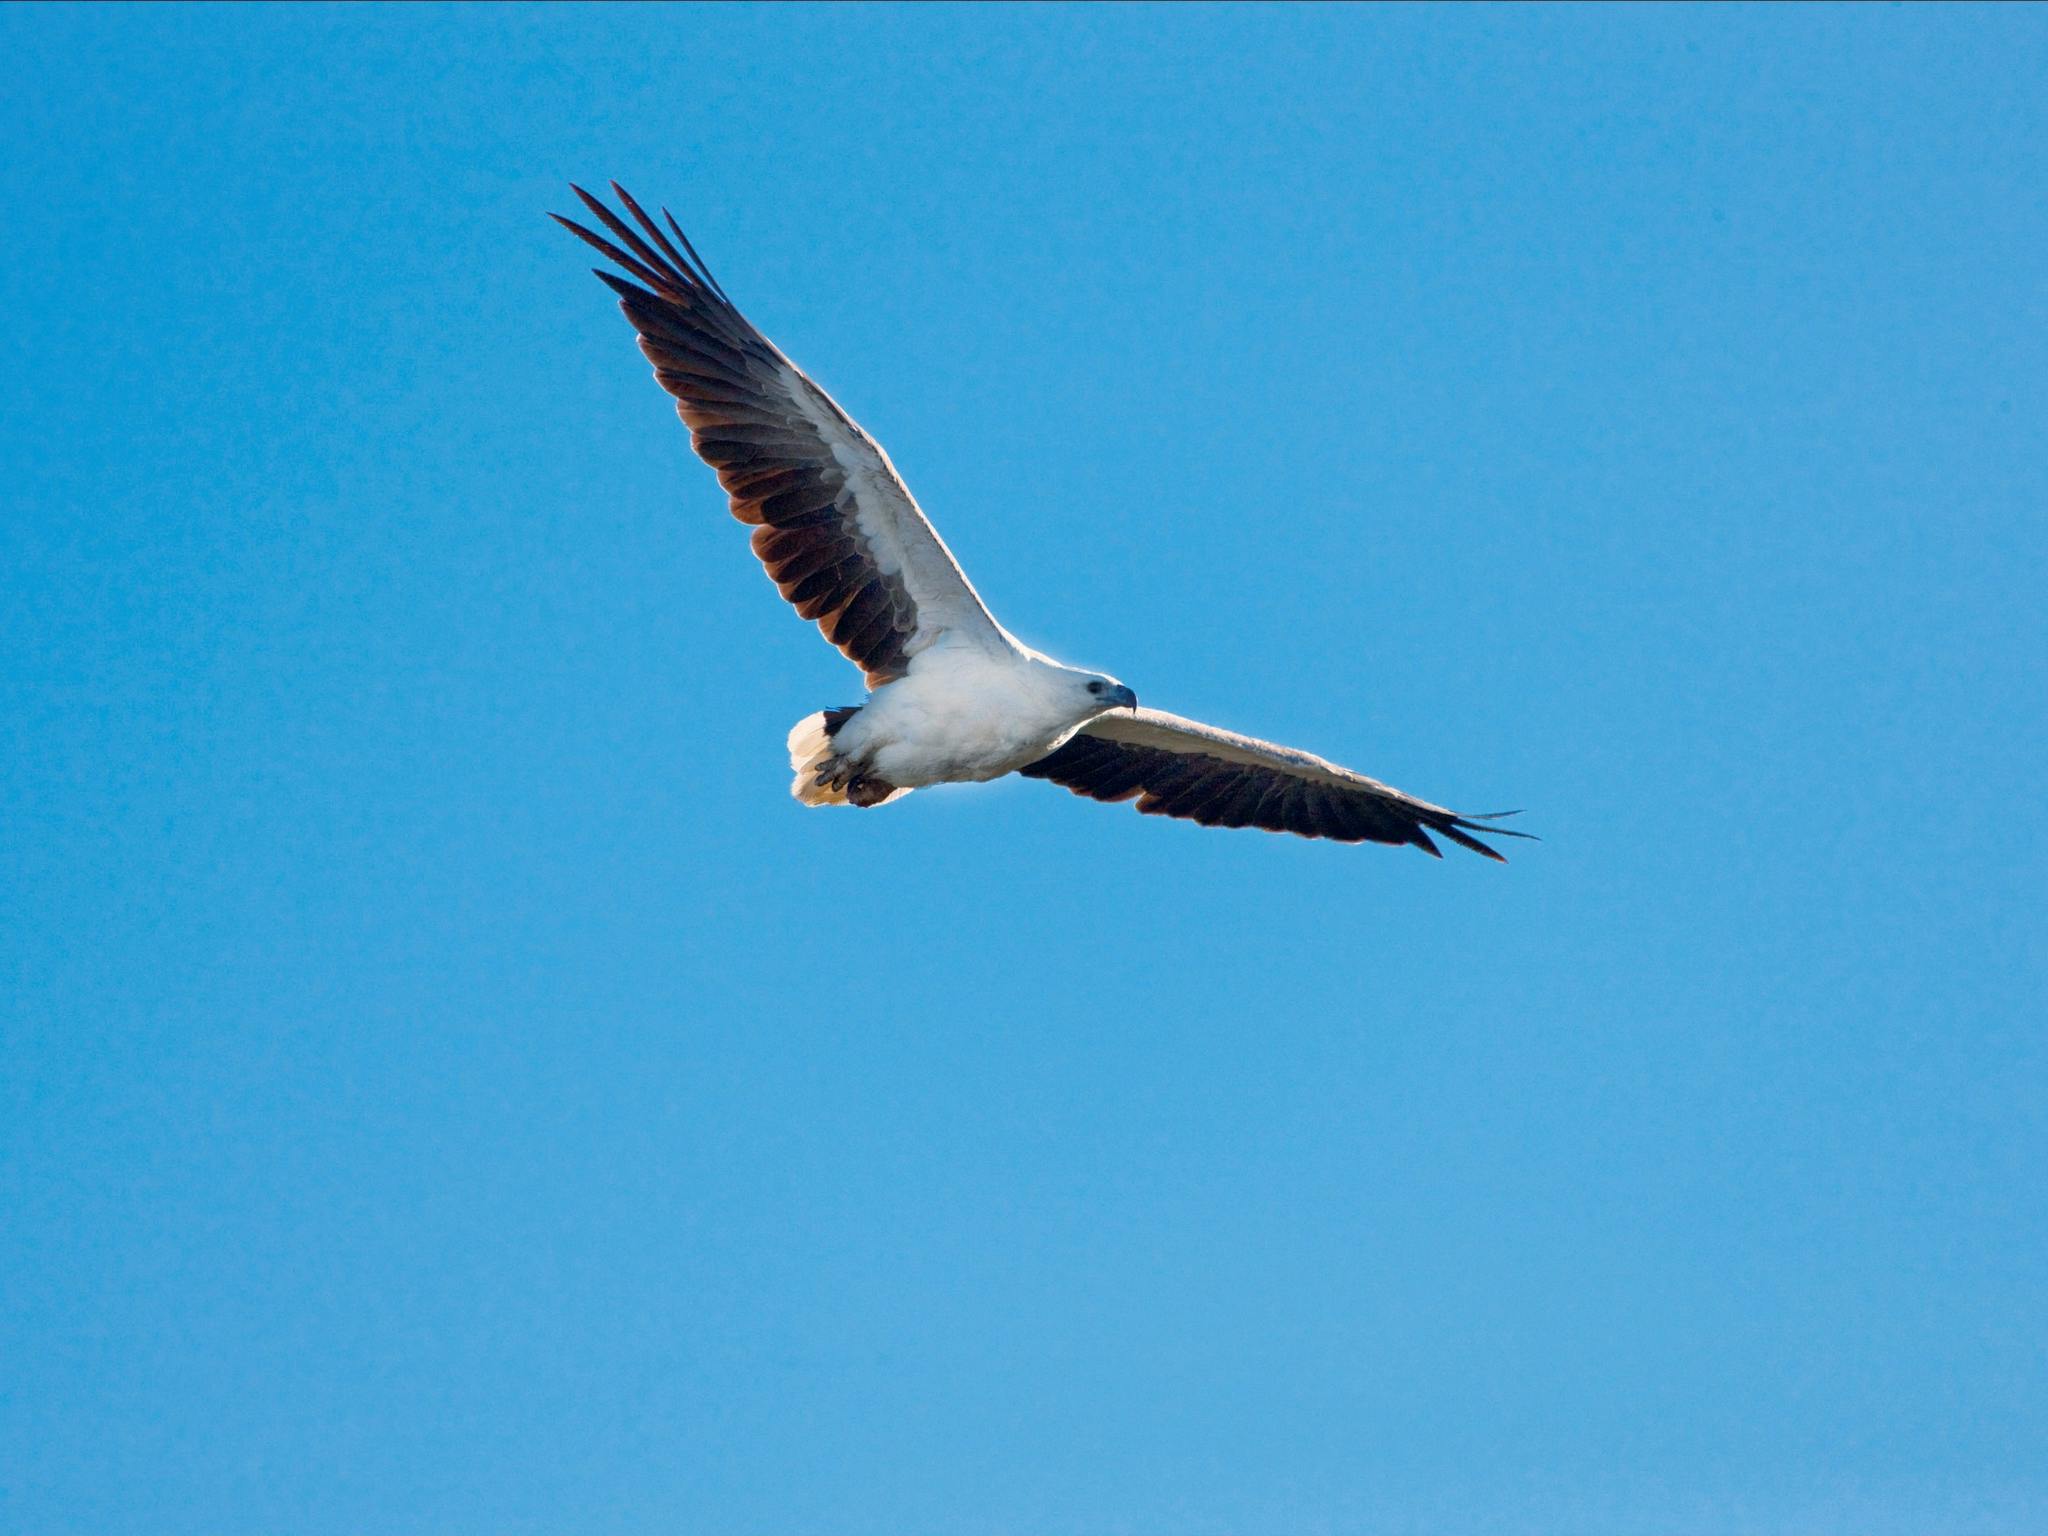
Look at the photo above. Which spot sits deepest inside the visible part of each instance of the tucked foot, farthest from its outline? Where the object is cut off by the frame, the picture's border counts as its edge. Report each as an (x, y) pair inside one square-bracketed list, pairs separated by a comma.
[(835, 773), (826, 777), (866, 789)]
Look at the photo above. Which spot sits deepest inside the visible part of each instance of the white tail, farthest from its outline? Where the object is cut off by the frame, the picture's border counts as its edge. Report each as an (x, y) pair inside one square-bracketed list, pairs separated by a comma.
[(810, 743), (811, 748)]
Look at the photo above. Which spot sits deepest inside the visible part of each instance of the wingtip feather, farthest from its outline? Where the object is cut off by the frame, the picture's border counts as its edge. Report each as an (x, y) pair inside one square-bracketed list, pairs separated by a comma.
[(710, 281), (1465, 840), (653, 229)]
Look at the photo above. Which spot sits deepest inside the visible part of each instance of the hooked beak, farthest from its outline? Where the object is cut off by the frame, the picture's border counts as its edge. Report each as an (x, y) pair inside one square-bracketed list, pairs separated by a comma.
[(1121, 697)]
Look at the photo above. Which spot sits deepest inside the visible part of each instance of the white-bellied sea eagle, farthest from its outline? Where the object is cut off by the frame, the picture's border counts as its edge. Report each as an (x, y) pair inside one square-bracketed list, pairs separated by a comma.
[(953, 696)]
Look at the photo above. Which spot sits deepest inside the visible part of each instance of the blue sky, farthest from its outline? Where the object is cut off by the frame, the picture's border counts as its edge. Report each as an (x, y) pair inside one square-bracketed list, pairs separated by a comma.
[(450, 1087)]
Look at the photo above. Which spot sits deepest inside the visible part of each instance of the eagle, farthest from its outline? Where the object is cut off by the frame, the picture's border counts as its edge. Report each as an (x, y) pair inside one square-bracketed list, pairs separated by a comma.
[(953, 697)]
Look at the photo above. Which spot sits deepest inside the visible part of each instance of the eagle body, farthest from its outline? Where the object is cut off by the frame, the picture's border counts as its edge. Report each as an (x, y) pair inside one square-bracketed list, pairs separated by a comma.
[(961, 715), (953, 697), (964, 717)]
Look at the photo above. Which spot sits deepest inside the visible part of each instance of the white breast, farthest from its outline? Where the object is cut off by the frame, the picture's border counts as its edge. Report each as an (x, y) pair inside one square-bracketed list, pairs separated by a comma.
[(960, 715)]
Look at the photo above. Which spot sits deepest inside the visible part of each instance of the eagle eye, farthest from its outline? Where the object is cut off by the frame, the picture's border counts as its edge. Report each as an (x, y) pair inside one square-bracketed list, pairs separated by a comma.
[(1095, 687)]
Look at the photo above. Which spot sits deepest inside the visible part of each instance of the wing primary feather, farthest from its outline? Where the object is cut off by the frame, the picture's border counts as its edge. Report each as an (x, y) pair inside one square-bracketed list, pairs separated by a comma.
[(611, 252), (1421, 840), (1465, 841), (1527, 837), (703, 270), (626, 232), (653, 229), (1499, 831)]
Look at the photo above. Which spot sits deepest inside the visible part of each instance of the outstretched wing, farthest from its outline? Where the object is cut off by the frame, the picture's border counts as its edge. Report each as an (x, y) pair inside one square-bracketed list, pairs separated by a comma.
[(839, 532), (1183, 768)]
